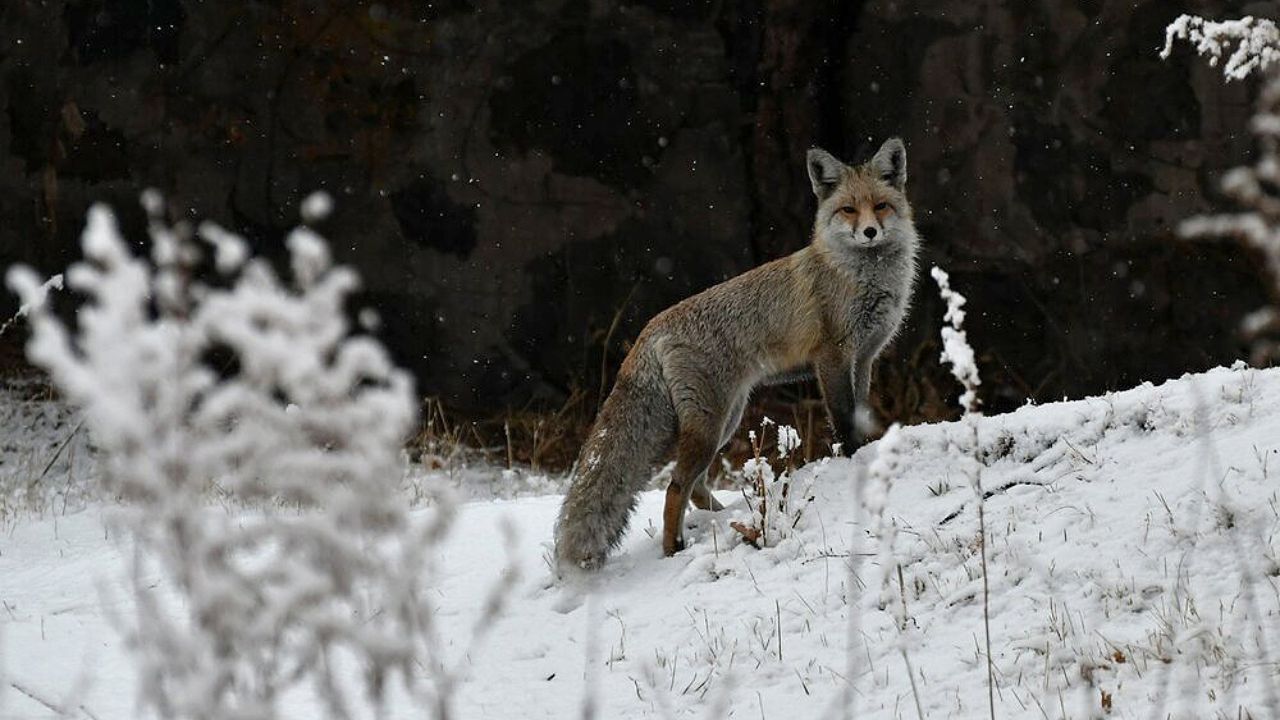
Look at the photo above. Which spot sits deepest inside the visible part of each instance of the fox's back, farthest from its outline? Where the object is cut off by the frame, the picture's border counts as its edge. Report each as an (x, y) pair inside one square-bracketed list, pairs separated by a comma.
[(764, 321)]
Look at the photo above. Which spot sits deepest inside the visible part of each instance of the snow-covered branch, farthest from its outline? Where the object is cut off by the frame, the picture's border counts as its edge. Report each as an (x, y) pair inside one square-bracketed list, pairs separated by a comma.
[(1249, 44), (38, 296)]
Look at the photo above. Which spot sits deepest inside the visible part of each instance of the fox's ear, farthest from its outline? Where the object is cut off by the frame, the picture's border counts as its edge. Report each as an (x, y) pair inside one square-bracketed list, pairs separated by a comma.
[(824, 171), (891, 162)]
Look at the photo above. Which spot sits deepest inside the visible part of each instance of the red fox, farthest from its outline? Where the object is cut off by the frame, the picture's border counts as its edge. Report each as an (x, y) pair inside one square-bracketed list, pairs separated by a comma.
[(824, 311)]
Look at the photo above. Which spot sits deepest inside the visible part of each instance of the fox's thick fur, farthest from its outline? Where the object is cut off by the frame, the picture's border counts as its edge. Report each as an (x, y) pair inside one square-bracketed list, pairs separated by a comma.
[(826, 310)]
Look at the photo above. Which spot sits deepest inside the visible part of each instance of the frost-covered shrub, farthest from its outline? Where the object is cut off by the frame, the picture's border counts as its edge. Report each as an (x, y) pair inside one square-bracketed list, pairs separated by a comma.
[(1250, 45), (776, 503), (249, 388)]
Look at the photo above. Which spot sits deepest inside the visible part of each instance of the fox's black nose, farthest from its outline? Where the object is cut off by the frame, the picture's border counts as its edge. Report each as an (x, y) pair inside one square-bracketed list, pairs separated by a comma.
[(870, 232)]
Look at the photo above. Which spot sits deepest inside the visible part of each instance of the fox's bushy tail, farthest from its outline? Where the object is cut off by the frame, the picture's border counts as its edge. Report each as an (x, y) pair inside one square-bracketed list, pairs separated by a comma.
[(633, 431)]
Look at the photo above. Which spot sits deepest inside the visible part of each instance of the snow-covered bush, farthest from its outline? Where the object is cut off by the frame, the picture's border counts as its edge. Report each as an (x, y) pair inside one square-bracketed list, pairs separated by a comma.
[(776, 504), (1250, 45), (253, 390)]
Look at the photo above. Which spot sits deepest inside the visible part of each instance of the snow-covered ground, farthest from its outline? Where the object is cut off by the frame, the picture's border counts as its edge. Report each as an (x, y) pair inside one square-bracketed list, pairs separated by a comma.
[(1132, 554), (46, 461)]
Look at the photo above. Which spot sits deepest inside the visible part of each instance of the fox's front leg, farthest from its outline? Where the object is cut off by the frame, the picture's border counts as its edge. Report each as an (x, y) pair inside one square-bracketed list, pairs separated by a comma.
[(861, 371), (836, 378)]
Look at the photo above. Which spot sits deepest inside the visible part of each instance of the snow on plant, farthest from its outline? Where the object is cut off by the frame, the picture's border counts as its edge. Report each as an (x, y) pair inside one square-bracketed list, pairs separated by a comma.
[(955, 343), (957, 352), (1256, 49), (872, 491), (788, 441), (883, 467), (1256, 42), (38, 297), (887, 464), (768, 492), (254, 388)]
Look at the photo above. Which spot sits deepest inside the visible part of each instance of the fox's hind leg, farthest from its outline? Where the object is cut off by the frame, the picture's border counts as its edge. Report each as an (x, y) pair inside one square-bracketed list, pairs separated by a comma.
[(702, 497), (733, 420), (694, 453)]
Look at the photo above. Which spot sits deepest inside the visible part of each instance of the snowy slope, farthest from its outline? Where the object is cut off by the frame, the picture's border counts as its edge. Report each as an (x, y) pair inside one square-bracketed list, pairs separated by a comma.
[(1132, 553)]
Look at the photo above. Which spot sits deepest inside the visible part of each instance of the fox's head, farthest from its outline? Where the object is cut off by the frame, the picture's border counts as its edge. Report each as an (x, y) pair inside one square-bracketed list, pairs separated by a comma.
[(864, 206)]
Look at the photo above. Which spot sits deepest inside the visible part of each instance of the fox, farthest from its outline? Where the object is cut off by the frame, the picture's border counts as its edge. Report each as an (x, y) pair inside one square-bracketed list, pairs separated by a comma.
[(825, 311)]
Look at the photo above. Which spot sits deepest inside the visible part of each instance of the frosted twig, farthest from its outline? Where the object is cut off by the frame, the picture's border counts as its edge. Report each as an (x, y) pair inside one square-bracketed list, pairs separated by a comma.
[(57, 454), (846, 707), (906, 661), (50, 704), (38, 297), (955, 343), (957, 352), (883, 468)]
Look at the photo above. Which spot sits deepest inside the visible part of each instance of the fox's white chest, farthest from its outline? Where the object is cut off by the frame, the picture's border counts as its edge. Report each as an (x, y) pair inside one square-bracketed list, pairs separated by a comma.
[(878, 308)]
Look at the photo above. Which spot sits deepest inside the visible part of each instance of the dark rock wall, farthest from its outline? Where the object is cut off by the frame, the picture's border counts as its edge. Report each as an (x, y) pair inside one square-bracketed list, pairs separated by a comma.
[(523, 184)]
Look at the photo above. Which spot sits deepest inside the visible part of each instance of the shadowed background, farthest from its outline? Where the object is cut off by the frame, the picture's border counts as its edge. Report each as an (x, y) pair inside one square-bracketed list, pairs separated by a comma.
[(523, 184)]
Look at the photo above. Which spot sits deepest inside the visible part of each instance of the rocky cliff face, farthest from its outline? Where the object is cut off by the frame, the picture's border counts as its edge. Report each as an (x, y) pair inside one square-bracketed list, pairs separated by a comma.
[(523, 184)]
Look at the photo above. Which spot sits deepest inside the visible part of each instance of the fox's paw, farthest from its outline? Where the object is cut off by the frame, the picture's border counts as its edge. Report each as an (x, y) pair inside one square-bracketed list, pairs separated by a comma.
[(672, 546)]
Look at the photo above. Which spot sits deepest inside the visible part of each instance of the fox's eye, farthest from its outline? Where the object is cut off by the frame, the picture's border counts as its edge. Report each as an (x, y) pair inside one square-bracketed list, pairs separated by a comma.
[(849, 210), (881, 207)]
